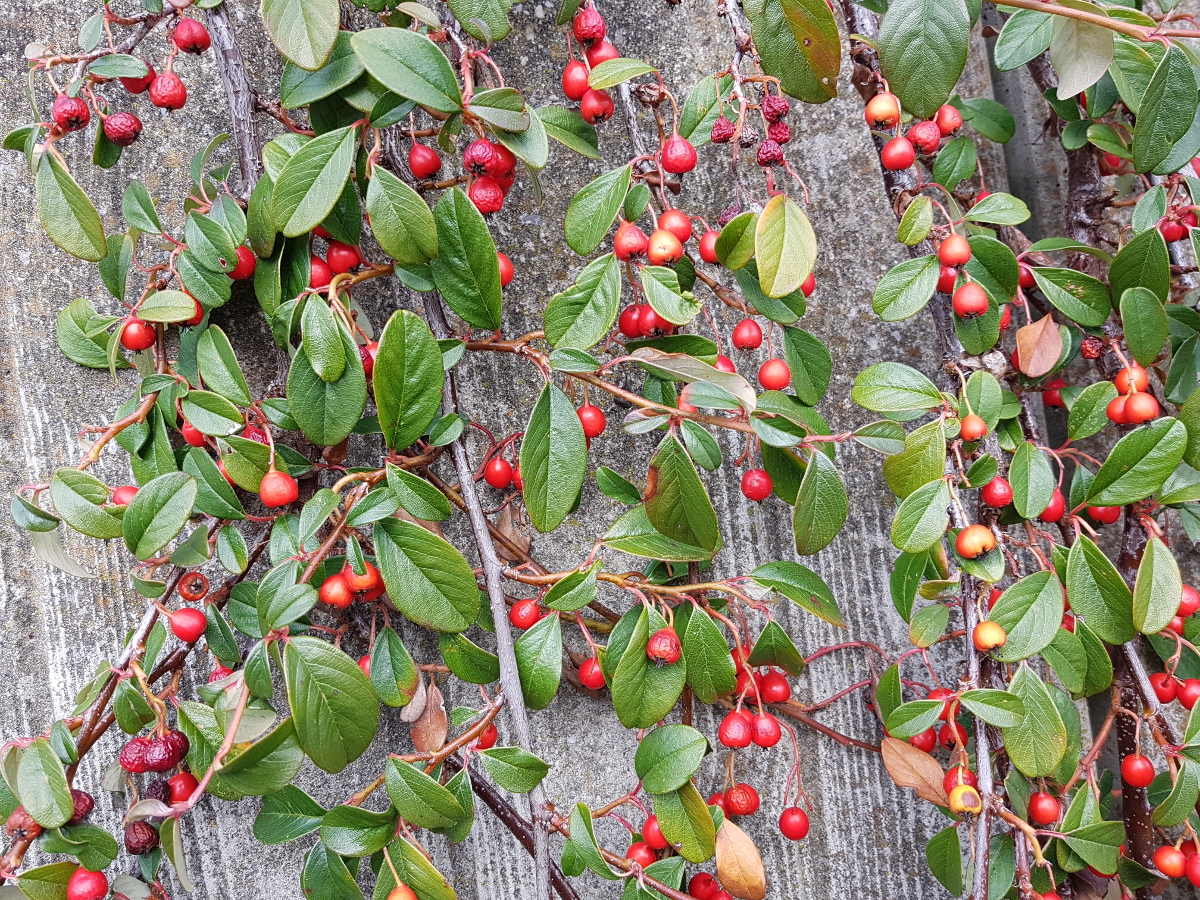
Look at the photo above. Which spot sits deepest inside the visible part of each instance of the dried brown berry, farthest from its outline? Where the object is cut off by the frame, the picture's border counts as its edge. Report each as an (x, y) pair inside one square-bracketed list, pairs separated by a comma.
[(158, 789), (83, 806), (722, 131), (748, 138), (140, 837), (1091, 347), (21, 825)]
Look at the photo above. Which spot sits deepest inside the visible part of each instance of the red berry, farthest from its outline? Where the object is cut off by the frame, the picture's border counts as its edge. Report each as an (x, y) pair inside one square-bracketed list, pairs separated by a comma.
[(319, 273), (1005, 316), (941, 694), (1055, 509), (678, 155), (342, 258), (653, 835), (1188, 692), (588, 24), (926, 740), (988, 635), (897, 154), (958, 775), (82, 803), (367, 581), (724, 364), (1131, 379), (1170, 861), (404, 892), (774, 108), (946, 279), (506, 269), (769, 154), (336, 591), (524, 614), (664, 647), (424, 162), (948, 119), (498, 473), (278, 489), (765, 730), (677, 222), (193, 587), (247, 262), (883, 110), (746, 684), (774, 375), (925, 136), (809, 284), (1116, 409), (1044, 809), (664, 248), (703, 886), (1176, 625), (743, 800), (718, 799), (487, 738), (722, 131), (575, 80), (85, 885), (601, 51), (133, 756), (218, 673), (947, 733), (122, 128), (997, 493), (1192, 866), (756, 484), (188, 624), (124, 495), (1105, 515), (629, 242), (487, 195), (1137, 770), (182, 786), (596, 106), (774, 688), (70, 113), (1025, 276), (641, 853), (735, 731), (592, 419), (1140, 408), (1165, 687), (590, 674), (481, 157), (779, 132), (167, 91), (137, 334), (367, 353), (190, 36), (973, 428), (747, 335), (954, 251), (969, 301), (1171, 230), (139, 85), (793, 823), (517, 480), (1189, 602)]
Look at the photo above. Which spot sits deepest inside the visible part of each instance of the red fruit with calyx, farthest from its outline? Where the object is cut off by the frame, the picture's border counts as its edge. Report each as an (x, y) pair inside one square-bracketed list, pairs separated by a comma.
[(653, 835), (1188, 692), (162, 755), (319, 274), (481, 157), (575, 80), (793, 823), (1171, 230), (747, 335), (997, 493), (650, 322), (247, 262), (774, 688), (487, 738), (742, 800), (342, 258), (947, 735), (70, 113), (498, 473), (988, 635), (168, 91), (925, 741), (972, 428), (188, 624), (138, 334), (85, 885), (193, 587), (946, 279), (1140, 408), (735, 731), (600, 52), (278, 489), (897, 154), (724, 364), (1055, 509), (122, 128), (663, 647), (190, 36), (424, 162), (182, 786), (192, 435), (1170, 861), (722, 131), (925, 137), (367, 353), (756, 484), (487, 195), (677, 222), (588, 24), (139, 85), (954, 251), (1044, 809), (506, 269), (596, 106), (367, 581), (629, 242), (969, 301), (774, 375), (641, 853), (678, 155), (1131, 379), (1165, 687), (948, 119), (1105, 515), (593, 420), (591, 675), (708, 246), (883, 110), (1137, 770), (664, 248), (1189, 602), (524, 614), (703, 886), (769, 153), (958, 775), (629, 322), (765, 730)]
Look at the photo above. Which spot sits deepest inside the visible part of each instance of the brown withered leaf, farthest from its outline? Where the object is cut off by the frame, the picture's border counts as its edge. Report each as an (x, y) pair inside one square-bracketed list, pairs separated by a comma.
[(431, 527), (916, 769), (413, 709), (739, 865), (1039, 345), (430, 730), (511, 526)]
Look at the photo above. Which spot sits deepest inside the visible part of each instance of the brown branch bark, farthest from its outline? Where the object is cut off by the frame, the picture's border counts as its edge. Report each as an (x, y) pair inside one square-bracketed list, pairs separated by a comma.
[(240, 97)]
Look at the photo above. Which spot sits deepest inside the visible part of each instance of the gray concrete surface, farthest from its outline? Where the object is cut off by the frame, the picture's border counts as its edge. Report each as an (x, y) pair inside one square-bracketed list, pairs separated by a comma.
[(53, 628)]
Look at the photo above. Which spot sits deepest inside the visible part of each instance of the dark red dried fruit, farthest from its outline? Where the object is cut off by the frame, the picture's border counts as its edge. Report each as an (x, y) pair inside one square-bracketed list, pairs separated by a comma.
[(161, 756), (775, 108), (133, 756), (1091, 347), (769, 154), (157, 789), (664, 647), (180, 742), (748, 137), (722, 131), (140, 837), (21, 825), (122, 128), (779, 132), (83, 806)]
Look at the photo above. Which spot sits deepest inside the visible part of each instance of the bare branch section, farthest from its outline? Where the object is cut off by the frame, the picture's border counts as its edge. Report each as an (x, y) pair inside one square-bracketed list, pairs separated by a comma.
[(239, 96)]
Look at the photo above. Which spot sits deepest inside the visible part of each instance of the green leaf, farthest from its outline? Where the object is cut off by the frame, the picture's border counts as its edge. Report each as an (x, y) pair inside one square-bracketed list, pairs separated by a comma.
[(775, 648), (677, 504), (916, 223), (797, 42), (991, 119), (287, 815), (299, 87), (593, 209), (400, 220), (427, 578), (1098, 845), (1080, 52), (327, 411), (633, 533), (418, 497), (1038, 742), (353, 831), (643, 692), (553, 459), (138, 208), (517, 771), (1145, 322), (785, 246), (1078, 296), (393, 672), (48, 882), (1157, 586), (999, 209), (484, 20), (615, 487), (158, 513), (612, 72), (539, 653), (304, 31), (575, 591), (408, 379), (890, 387), (661, 286), (821, 506), (1143, 262), (1029, 612), (1032, 479), (910, 719), (710, 670), (42, 785), (583, 839), (1089, 411), (568, 128), (411, 65), (213, 246), (419, 799), (1139, 464), (944, 852), (79, 499), (701, 109), (999, 708), (927, 625), (326, 875), (1166, 110), (922, 518), (803, 587), (312, 180), (735, 244), (334, 707), (466, 270), (1182, 800), (415, 871), (955, 162), (211, 413), (468, 660), (76, 338), (904, 290), (66, 213), (669, 756), (686, 823), (923, 49), (1098, 593), (219, 366)]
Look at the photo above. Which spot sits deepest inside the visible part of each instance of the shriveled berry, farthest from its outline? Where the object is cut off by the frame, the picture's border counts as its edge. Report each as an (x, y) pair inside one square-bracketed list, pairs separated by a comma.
[(769, 153), (722, 131), (742, 800), (1091, 347), (925, 137), (588, 24), (779, 132), (747, 138), (161, 756), (487, 195), (82, 803), (21, 825), (140, 837), (774, 108), (122, 128), (157, 789), (70, 113), (168, 91), (180, 742), (663, 647)]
